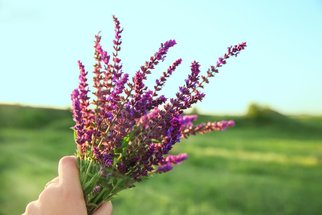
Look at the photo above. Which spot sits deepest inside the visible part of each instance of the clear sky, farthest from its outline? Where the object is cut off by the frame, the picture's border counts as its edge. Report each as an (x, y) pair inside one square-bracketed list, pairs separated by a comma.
[(40, 42)]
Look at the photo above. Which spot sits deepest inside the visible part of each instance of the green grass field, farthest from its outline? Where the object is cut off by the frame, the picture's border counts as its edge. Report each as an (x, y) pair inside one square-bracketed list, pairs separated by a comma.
[(258, 167)]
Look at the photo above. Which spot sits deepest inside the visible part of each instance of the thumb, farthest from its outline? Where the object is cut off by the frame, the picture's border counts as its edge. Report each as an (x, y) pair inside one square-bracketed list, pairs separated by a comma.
[(67, 170), (105, 209), (69, 176)]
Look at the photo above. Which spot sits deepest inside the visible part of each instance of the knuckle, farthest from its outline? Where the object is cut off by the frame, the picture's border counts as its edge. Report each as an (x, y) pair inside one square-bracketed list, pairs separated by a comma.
[(50, 192), (32, 208)]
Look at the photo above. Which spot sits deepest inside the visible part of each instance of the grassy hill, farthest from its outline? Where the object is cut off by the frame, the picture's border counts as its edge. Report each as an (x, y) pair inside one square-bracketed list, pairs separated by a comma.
[(268, 164), (17, 116)]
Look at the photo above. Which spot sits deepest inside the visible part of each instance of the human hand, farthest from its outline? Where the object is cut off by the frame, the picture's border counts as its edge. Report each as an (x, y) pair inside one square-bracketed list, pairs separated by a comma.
[(63, 195)]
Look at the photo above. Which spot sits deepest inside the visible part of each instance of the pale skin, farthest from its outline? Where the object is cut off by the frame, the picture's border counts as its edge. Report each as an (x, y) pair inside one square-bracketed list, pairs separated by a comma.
[(63, 195)]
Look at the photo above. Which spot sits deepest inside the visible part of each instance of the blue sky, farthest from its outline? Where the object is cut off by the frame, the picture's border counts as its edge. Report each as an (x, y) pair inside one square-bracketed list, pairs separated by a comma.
[(41, 41)]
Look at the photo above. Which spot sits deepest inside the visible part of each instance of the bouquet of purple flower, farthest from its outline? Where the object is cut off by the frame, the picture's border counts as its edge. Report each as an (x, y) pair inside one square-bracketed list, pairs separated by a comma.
[(125, 134)]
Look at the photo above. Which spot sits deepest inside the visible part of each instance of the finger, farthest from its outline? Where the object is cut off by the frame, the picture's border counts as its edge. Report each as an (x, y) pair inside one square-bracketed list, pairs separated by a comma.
[(68, 172), (105, 209)]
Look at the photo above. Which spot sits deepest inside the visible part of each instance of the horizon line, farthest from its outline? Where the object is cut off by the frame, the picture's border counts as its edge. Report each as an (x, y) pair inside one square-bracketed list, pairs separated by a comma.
[(199, 110)]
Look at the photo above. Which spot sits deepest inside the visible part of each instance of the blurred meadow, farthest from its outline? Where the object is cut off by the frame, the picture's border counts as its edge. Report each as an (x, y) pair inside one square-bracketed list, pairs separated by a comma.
[(268, 164)]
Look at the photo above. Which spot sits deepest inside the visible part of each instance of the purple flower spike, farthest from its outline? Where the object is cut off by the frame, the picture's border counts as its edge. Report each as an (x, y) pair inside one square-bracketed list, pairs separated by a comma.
[(164, 168), (160, 55), (176, 159), (160, 82), (140, 75), (188, 119), (231, 123)]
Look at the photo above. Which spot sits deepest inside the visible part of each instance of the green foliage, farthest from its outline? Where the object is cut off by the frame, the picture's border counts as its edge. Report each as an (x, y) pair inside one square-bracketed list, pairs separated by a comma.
[(16, 116), (258, 115), (247, 170), (262, 114)]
